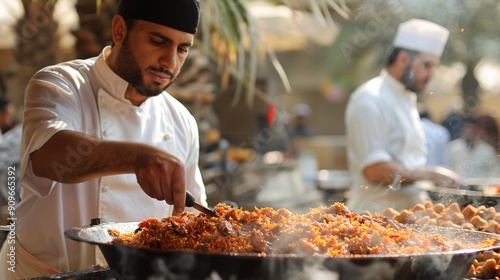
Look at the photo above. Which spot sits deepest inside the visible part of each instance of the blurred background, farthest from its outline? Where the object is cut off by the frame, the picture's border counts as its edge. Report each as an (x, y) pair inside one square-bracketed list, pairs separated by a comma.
[(259, 68)]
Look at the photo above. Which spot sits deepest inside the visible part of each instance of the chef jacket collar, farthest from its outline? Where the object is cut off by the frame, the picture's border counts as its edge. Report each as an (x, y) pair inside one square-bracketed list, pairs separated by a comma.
[(395, 85), (109, 81)]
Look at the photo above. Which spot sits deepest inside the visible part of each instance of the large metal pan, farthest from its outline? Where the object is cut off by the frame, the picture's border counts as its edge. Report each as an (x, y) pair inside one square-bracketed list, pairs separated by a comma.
[(141, 263)]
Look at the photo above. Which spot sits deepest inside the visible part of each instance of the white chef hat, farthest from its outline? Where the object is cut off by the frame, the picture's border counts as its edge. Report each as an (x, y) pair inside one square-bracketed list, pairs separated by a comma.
[(421, 36)]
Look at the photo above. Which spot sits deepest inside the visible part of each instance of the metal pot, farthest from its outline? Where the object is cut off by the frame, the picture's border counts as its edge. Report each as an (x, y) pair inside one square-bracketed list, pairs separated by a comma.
[(142, 263)]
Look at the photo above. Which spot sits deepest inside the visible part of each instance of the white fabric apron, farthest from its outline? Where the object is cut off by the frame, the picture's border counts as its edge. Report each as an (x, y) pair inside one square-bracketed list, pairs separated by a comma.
[(24, 264)]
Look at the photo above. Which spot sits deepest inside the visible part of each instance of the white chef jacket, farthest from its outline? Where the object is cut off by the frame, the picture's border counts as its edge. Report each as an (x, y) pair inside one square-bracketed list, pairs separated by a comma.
[(479, 161), (437, 138), (382, 124), (88, 97)]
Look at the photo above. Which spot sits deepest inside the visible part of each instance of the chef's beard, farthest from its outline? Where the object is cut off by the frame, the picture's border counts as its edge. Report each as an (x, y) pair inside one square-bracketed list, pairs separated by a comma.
[(409, 80), (129, 70)]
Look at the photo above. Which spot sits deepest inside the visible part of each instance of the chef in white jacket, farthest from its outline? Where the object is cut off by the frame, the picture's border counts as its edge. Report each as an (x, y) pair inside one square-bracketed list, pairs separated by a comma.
[(102, 138), (385, 140)]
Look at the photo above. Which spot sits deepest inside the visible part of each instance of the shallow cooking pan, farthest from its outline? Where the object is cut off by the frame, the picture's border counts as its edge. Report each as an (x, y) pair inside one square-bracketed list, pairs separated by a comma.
[(142, 263)]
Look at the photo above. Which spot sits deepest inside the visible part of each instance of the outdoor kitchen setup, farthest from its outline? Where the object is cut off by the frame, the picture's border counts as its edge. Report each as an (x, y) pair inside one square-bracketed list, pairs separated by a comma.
[(249, 140)]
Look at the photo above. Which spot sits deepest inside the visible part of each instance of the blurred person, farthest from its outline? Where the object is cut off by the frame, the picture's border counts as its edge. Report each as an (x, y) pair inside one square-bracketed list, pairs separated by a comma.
[(470, 156), (489, 130), (298, 130), (385, 139), (299, 126), (102, 138), (453, 123), (10, 155), (271, 132), (3, 86), (7, 115), (9, 146), (436, 139), (10, 139)]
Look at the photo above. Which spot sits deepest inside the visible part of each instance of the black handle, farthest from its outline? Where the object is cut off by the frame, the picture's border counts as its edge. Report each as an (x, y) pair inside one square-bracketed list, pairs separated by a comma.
[(189, 199), (191, 203)]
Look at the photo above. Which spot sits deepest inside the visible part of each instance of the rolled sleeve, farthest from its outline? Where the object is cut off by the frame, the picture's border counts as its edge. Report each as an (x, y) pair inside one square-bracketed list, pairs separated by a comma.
[(375, 156), (49, 107)]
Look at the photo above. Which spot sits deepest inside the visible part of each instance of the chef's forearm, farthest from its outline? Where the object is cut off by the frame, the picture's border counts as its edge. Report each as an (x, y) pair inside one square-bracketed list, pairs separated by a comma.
[(72, 157), (389, 173)]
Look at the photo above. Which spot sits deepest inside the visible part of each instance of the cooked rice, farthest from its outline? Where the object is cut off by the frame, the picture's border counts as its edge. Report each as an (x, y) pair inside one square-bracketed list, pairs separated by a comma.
[(322, 231)]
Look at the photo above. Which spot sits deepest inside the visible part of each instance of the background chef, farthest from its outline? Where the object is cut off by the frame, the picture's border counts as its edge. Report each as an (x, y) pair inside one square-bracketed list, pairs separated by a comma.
[(385, 140)]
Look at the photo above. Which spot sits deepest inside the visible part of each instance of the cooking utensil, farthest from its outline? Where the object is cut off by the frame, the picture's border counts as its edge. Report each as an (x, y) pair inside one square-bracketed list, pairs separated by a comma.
[(190, 202), (465, 190), (444, 172), (142, 263), (463, 196)]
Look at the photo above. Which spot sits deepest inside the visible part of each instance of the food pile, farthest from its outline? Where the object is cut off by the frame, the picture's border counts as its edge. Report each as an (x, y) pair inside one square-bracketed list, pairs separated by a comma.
[(486, 266), (480, 218), (322, 231)]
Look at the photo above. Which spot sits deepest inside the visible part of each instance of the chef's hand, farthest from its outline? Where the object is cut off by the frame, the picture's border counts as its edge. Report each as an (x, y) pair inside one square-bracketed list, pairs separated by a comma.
[(443, 177), (389, 172), (162, 176)]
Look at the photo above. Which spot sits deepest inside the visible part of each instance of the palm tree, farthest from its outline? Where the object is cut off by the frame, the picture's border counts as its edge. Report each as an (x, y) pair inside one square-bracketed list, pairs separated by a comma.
[(231, 37), (228, 34), (94, 32), (37, 30), (37, 39)]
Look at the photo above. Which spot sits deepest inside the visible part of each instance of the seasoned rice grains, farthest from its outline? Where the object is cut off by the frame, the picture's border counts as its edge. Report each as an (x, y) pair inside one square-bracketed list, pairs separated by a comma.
[(322, 231)]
